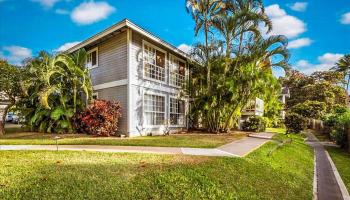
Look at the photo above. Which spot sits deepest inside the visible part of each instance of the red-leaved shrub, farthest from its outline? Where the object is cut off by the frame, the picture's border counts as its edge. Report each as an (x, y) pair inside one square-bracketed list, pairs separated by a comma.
[(100, 118)]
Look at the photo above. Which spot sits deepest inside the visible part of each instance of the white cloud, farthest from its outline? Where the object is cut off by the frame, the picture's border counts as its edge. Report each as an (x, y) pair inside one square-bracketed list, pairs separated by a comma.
[(61, 11), (185, 48), (91, 12), (66, 46), (46, 3), (326, 61), (345, 19), (284, 24), (299, 6), (298, 43), (15, 54)]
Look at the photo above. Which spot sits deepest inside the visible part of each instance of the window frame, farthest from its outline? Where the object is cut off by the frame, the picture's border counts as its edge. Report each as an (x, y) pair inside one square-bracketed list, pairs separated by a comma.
[(144, 111), (185, 111), (145, 43), (87, 54), (169, 71)]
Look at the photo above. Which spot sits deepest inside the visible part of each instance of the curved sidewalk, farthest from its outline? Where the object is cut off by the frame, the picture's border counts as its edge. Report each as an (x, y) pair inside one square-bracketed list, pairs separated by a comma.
[(238, 148)]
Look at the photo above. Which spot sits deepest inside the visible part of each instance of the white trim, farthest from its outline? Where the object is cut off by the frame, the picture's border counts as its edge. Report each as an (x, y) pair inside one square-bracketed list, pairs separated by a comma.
[(144, 42), (120, 25), (143, 108), (340, 182), (90, 51), (111, 84), (129, 112)]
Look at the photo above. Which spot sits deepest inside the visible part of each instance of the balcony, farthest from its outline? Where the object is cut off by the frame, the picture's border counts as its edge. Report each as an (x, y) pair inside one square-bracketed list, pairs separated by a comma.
[(254, 108)]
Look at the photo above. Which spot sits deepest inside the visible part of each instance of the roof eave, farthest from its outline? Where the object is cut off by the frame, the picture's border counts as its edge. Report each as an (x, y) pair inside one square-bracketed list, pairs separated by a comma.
[(129, 24)]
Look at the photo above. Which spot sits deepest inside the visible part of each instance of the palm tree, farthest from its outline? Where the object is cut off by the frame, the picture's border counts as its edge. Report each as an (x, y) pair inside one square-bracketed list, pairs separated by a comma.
[(252, 14), (343, 65), (59, 86), (203, 12)]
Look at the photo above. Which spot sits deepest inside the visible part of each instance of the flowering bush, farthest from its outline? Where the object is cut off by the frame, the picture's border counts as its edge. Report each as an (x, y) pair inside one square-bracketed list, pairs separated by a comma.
[(100, 118)]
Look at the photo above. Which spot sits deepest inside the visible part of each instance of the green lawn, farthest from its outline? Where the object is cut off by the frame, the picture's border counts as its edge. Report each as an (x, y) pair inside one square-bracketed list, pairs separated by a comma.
[(286, 173), (276, 130), (181, 140), (341, 160)]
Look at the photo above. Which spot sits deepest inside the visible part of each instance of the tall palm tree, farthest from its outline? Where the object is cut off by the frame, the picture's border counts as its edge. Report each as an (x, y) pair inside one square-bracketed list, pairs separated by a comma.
[(203, 12), (343, 65), (252, 14)]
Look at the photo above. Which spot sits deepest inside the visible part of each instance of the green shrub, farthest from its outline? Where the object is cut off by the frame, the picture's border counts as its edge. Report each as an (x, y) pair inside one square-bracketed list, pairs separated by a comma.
[(100, 118), (338, 123), (294, 123), (254, 123)]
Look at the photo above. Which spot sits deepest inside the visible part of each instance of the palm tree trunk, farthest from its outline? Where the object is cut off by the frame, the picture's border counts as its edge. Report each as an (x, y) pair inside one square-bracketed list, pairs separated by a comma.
[(207, 53), (75, 97), (347, 85), (240, 44)]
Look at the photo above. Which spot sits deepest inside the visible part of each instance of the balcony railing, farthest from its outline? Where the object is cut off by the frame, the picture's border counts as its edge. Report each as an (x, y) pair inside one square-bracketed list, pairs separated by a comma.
[(154, 72), (177, 79)]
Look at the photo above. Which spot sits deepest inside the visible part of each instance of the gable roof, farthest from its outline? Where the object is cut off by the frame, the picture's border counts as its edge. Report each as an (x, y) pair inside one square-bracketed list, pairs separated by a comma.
[(126, 24)]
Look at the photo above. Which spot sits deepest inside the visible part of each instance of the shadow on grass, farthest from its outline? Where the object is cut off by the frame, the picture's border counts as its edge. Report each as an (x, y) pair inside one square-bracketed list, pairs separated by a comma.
[(286, 174)]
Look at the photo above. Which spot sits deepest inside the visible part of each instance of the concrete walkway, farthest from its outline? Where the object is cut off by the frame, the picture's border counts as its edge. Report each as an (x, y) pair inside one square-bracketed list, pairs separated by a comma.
[(238, 148), (327, 185)]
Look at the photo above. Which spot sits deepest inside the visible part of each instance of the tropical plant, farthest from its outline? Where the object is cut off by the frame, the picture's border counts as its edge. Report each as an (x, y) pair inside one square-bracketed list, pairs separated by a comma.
[(343, 65), (223, 83), (100, 118), (57, 87), (203, 12)]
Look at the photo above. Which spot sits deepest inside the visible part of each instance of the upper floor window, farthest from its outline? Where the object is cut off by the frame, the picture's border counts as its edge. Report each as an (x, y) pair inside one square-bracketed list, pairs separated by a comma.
[(92, 58), (177, 71), (154, 63)]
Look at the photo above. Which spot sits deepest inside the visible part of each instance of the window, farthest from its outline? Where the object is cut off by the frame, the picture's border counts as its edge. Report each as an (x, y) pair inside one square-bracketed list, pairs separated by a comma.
[(177, 112), (154, 109), (95, 95), (154, 63), (92, 58), (177, 71)]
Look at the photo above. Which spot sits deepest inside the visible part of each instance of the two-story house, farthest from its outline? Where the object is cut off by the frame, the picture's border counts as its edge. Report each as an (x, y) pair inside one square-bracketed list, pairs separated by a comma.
[(144, 73)]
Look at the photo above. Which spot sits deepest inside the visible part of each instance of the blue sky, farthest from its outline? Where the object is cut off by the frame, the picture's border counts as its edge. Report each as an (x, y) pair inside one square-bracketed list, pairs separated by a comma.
[(318, 31)]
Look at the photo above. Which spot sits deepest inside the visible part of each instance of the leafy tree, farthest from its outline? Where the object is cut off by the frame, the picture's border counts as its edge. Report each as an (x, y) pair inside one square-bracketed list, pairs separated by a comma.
[(10, 88), (58, 86), (319, 86), (310, 109)]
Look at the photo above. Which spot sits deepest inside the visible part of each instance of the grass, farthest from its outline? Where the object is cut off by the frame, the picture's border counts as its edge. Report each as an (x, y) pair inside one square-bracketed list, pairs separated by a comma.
[(181, 140), (276, 130), (286, 174), (341, 160)]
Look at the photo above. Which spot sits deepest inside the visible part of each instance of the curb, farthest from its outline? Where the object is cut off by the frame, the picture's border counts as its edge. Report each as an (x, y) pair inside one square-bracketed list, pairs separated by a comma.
[(340, 182)]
